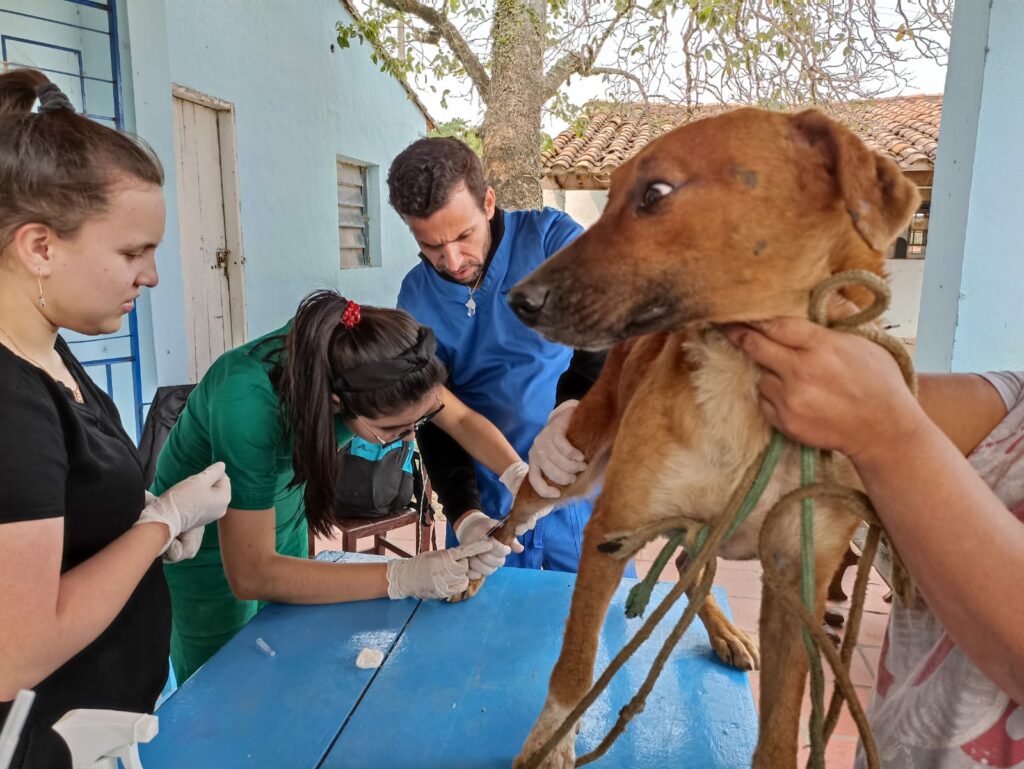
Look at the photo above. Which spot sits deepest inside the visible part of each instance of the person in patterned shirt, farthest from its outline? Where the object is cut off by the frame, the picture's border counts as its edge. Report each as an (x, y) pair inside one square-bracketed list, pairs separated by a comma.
[(946, 475)]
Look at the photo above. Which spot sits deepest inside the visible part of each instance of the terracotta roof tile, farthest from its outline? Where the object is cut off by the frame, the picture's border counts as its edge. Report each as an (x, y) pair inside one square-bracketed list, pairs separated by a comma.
[(905, 128)]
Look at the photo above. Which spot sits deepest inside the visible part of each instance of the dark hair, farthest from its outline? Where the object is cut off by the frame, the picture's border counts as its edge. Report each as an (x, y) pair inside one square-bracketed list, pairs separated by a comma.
[(56, 166), (318, 348), (426, 173)]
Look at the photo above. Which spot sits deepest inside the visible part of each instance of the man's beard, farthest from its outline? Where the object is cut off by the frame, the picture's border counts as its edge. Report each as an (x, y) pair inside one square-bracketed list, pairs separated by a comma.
[(475, 276), (468, 281)]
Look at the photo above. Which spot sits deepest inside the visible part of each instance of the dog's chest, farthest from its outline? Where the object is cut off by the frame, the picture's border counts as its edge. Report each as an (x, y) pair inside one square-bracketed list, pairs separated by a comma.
[(701, 477)]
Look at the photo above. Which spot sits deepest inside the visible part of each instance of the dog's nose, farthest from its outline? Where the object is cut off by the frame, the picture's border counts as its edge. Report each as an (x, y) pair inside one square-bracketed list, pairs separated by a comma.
[(528, 301)]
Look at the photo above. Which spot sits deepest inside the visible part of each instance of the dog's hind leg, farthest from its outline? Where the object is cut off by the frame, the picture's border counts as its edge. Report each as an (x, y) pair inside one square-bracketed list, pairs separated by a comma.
[(732, 645), (784, 658)]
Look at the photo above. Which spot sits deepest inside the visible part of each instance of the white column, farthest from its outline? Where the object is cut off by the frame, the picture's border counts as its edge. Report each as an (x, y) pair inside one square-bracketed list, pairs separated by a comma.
[(972, 305)]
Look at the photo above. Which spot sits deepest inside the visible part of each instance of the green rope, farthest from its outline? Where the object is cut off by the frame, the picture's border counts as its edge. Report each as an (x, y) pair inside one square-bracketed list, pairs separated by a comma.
[(640, 594), (808, 473)]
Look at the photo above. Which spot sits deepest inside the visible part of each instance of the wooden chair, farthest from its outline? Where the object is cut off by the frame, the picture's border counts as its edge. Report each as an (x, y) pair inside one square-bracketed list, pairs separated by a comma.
[(354, 529), (419, 513)]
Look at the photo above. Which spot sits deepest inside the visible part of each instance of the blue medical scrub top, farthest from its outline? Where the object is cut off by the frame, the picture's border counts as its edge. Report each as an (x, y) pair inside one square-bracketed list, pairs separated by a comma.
[(503, 369)]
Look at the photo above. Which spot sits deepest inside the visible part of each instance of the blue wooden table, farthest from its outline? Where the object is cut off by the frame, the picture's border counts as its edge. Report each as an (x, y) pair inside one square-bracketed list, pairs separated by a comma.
[(460, 687)]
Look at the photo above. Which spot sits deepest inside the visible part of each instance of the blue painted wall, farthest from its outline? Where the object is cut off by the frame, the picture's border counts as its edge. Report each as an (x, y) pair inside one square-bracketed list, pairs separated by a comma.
[(298, 106)]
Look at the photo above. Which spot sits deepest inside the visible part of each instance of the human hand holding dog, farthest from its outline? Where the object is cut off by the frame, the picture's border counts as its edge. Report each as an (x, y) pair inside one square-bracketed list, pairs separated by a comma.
[(434, 574), (552, 456), (829, 389), (475, 526)]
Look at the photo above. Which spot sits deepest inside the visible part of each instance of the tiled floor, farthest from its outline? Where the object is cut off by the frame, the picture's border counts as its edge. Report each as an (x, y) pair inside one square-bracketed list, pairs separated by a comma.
[(742, 582)]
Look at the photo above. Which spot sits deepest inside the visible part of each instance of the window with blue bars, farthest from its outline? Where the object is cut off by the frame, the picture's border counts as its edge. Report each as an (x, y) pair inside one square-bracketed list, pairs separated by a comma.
[(75, 43)]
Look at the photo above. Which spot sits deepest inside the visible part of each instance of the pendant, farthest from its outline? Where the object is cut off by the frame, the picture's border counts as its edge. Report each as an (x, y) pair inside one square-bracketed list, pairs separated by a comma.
[(471, 307)]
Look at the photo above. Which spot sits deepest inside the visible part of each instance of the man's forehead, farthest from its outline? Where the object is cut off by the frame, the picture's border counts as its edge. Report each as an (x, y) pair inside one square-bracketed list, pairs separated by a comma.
[(444, 225)]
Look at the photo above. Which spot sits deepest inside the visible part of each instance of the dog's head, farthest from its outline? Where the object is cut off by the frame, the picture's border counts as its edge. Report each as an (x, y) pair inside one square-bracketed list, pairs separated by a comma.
[(733, 218)]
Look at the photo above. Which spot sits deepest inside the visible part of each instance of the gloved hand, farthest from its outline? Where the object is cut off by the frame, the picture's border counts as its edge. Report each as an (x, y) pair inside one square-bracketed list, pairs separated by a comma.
[(474, 527), (530, 522), (553, 456), (513, 476), (434, 574), (183, 547), (190, 504)]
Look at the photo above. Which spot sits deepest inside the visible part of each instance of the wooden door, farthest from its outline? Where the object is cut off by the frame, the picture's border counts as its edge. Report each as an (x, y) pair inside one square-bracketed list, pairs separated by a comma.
[(207, 216)]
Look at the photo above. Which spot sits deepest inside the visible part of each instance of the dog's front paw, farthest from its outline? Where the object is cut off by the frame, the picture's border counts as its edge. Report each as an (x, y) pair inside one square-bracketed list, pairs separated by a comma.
[(469, 592), (736, 648), (563, 755)]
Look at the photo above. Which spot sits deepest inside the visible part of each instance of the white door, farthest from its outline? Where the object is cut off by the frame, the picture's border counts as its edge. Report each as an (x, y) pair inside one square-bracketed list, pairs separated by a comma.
[(208, 219)]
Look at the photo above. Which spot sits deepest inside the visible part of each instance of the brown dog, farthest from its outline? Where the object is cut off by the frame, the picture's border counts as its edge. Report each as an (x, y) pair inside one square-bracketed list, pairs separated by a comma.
[(733, 218)]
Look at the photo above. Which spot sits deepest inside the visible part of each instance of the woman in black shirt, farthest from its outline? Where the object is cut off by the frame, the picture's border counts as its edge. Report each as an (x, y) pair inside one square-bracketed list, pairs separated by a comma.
[(84, 612)]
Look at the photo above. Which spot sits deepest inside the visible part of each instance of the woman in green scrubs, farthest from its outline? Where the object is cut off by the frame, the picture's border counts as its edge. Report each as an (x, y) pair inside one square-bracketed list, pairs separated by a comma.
[(276, 411)]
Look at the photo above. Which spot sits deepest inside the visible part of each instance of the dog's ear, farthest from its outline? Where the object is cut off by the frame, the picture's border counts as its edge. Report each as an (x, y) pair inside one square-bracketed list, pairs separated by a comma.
[(879, 198)]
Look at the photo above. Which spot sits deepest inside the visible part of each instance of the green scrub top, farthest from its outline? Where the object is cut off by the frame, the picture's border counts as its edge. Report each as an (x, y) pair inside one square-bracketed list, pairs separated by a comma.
[(232, 416)]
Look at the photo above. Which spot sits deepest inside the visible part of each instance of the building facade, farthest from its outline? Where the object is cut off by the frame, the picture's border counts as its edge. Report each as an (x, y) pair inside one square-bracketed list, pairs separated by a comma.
[(275, 143)]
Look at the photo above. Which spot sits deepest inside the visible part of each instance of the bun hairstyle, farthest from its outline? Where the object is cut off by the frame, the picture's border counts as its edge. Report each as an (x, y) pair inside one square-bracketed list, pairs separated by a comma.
[(376, 360), (57, 167)]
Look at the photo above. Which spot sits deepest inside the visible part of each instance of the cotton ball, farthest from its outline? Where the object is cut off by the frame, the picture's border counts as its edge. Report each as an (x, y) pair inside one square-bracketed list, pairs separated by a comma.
[(369, 659)]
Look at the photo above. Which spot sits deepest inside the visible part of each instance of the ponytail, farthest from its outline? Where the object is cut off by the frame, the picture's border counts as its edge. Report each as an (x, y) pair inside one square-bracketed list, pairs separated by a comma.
[(320, 349)]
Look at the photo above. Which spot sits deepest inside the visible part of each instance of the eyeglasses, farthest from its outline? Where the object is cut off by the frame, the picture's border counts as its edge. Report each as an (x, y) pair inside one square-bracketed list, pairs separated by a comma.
[(411, 429)]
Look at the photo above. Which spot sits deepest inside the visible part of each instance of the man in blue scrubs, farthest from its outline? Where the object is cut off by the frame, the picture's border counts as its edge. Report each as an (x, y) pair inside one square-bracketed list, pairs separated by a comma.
[(471, 254)]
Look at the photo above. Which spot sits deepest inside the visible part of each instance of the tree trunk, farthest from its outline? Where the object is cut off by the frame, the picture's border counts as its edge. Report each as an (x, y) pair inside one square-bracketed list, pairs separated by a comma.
[(511, 140)]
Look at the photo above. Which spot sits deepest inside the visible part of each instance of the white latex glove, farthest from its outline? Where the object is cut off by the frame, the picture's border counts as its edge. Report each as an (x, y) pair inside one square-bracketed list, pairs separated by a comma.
[(185, 546), (434, 574), (192, 503), (513, 476), (474, 527), (530, 522), (553, 456)]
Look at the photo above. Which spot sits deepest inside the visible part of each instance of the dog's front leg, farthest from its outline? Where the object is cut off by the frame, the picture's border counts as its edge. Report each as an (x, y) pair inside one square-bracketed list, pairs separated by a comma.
[(592, 431), (598, 577)]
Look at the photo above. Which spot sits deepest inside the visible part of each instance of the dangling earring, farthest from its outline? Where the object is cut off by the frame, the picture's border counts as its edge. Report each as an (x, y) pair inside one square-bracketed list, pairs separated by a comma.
[(39, 279)]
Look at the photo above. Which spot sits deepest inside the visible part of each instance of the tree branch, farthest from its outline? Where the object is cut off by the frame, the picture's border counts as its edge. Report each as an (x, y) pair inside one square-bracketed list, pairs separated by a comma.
[(615, 72), (581, 61), (470, 61)]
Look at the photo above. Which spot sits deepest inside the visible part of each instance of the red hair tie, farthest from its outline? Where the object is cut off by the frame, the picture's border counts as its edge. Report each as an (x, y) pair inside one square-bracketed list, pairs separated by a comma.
[(352, 315)]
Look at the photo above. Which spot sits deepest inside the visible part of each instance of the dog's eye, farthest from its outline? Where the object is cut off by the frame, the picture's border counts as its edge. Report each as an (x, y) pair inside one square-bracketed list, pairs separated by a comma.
[(654, 193)]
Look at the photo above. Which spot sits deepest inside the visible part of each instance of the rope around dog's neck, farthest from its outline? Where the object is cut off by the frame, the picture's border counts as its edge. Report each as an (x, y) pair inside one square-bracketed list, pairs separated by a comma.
[(703, 541)]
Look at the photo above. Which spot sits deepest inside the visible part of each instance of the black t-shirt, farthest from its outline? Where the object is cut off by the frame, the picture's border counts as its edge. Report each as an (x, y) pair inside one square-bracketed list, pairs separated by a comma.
[(59, 458)]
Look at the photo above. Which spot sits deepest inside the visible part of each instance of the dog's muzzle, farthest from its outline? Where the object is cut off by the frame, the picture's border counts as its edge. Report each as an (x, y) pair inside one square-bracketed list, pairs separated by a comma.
[(528, 301)]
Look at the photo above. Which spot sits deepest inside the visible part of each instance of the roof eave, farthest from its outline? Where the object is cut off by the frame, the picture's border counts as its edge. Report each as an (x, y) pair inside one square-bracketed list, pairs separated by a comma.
[(431, 123)]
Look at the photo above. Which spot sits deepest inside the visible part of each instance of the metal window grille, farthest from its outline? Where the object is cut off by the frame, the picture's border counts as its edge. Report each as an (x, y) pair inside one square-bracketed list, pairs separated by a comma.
[(353, 215), (75, 42)]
